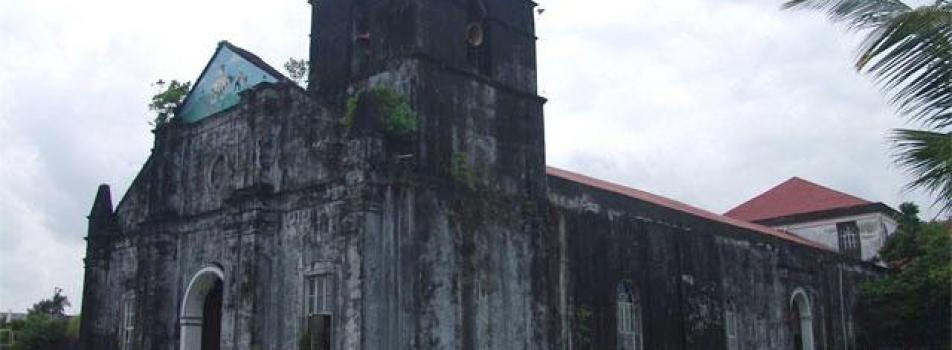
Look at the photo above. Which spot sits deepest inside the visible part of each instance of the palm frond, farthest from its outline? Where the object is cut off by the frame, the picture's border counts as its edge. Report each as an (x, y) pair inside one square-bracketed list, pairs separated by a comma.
[(857, 14), (927, 156), (910, 55)]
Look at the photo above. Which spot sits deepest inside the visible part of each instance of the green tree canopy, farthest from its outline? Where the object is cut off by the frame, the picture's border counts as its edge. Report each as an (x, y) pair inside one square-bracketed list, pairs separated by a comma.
[(166, 102), (45, 326), (53, 307), (909, 308)]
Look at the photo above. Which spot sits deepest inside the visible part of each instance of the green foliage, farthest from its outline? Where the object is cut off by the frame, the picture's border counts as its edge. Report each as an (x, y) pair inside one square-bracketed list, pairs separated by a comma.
[(583, 327), (902, 245), (46, 324), (910, 307), (6, 336), (927, 156), (351, 112), (298, 70), (40, 332), (908, 51), (168, 100), (53, 307), (72, 328), (460, 170), (396, 116), (399, 119)]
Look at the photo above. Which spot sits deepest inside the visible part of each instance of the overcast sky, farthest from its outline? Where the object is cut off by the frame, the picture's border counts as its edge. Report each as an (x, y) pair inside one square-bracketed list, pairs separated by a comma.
[(706, 101)]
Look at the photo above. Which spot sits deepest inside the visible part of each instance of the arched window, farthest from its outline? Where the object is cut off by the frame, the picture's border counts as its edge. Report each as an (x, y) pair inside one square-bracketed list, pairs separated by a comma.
[(629, 321), (802, 320)]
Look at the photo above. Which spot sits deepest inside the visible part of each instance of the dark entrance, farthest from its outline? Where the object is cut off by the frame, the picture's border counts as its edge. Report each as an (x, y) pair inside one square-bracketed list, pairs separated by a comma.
[(319, 332), (797, 330), (211, 318)]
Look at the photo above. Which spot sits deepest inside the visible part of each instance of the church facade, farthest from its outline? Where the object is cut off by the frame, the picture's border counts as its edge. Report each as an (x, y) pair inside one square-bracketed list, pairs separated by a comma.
[(402, 201)]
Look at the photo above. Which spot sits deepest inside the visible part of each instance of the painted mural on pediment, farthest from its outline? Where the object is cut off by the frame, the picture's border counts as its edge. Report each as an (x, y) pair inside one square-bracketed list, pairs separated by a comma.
[(219, 87)]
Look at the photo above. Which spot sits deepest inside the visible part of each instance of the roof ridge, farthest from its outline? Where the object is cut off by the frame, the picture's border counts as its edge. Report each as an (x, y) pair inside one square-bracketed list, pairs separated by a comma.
[(831, 189), (796, 195), (254, 59), (678, 206)]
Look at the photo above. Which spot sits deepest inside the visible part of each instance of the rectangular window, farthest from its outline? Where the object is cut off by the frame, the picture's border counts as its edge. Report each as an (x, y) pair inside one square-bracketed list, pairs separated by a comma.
[(128, 321), (848, 236), (319, 294), (319, 307)]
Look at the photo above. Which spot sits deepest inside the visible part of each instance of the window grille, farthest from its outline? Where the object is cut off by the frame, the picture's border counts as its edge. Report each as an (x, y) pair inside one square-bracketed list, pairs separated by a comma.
[(848, 233), (319, 295), (319, 308), (128, 322), (629, 319)]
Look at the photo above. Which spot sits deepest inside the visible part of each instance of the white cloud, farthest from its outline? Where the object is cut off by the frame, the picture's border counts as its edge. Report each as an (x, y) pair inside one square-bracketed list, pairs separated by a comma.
[(711, 102), (706, 101)]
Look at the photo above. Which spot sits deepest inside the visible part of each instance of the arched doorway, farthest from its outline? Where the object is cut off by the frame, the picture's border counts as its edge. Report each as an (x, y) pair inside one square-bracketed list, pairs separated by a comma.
[(201, 311), (802, 320)]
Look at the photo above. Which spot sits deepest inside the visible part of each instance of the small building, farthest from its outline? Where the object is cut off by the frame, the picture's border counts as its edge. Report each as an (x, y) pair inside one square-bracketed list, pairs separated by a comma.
[(848, 224), (7, 317)]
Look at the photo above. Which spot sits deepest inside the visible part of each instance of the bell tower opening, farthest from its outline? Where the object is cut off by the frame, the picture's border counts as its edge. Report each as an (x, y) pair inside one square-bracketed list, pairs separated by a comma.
[(478, 52)]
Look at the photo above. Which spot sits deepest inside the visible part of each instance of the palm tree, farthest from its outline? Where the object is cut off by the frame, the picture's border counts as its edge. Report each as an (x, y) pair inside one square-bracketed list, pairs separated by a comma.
[(908, 51)]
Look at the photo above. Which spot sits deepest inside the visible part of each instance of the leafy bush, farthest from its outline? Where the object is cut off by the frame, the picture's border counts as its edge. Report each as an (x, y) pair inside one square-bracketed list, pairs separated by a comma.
[(167, 101), (351, 113), (460, 170), (298, 70), (40, 332), (909, 308), (46, 325), (396, 116)]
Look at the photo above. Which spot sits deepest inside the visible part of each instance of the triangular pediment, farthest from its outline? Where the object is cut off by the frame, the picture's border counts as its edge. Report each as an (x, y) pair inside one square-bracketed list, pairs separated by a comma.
[(230, 71)]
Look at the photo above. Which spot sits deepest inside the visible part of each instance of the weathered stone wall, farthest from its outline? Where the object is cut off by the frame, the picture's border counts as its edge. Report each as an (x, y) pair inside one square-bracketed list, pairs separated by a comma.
[(427, 254), (230, 191), (688, 270), (450, 238)]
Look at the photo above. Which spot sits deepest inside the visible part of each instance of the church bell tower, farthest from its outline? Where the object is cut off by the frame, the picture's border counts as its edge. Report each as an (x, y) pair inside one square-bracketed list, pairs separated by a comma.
[(468, 68)]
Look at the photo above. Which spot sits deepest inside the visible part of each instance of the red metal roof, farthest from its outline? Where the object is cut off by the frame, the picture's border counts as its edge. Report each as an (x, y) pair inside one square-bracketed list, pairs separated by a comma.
[(675, 205), (794, 196)]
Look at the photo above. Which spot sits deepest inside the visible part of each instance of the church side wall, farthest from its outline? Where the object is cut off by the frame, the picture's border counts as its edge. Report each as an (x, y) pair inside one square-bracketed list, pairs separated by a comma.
[(691, 274)]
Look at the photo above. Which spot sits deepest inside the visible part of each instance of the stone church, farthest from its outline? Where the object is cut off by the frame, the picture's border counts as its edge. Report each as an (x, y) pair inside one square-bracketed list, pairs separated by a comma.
[(402, 201)]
